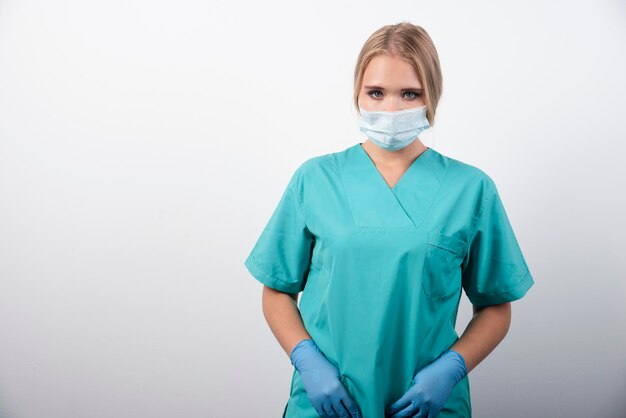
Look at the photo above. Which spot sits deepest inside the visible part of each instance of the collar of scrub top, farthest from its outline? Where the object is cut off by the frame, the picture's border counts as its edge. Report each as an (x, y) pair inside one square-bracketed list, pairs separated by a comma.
[(405, 205)]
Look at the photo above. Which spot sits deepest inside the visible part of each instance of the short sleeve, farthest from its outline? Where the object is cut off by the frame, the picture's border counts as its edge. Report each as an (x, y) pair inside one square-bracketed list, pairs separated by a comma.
[(281, 257), (494, 270)]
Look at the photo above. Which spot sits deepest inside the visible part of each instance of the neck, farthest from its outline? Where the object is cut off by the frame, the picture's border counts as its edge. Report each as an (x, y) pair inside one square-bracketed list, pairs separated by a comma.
[(401, 156)]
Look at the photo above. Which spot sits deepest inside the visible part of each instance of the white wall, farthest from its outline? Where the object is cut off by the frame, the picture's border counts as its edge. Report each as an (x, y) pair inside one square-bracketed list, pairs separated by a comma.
[(144, 144)]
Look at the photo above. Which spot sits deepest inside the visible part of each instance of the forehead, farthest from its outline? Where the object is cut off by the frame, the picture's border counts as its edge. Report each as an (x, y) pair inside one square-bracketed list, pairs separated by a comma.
[(391, 73)]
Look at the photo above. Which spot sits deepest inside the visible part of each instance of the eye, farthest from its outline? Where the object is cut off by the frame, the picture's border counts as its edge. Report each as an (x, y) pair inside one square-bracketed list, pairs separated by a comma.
[(374, 94)]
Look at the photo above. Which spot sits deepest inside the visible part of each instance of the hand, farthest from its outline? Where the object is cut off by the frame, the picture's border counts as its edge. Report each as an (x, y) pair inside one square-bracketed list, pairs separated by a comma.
[(321, 380), (431, 387)]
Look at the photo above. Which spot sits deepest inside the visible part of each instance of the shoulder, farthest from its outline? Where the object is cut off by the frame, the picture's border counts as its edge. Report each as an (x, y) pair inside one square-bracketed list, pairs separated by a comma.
[(317, 162), (470, 177), (310, 168)]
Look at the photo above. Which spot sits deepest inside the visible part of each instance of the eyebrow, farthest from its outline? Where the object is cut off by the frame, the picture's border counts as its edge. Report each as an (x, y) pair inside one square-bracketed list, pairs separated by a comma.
[(382, 88)]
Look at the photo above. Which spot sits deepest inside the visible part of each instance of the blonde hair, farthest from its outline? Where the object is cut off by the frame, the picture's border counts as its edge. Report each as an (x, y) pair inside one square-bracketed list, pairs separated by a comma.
[(411, 43)]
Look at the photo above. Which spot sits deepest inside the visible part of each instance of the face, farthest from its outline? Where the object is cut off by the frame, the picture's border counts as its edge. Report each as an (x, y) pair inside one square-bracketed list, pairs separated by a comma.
[(390, 84)]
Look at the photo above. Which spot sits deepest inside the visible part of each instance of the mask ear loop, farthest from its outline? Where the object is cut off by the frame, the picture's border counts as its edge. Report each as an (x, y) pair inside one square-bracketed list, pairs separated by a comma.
[(433, 133)]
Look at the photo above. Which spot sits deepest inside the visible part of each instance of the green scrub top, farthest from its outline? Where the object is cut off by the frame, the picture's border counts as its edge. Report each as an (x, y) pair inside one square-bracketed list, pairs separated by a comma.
[(381, 269)]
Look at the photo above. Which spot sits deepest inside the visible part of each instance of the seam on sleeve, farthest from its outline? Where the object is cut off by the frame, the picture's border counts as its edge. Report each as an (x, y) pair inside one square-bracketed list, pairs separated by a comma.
[(513, 287), (269, 279), (486, 201), (516, 293), (261, 267), (299, 203)]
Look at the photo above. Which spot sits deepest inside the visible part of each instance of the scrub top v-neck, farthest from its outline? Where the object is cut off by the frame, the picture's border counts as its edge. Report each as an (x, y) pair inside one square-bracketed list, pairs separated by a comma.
[(382, 269), (374, 203), (406, 174)]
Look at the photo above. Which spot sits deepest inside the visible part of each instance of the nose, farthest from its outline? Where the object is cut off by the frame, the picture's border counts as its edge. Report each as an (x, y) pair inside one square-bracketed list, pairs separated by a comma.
[(391, 104)]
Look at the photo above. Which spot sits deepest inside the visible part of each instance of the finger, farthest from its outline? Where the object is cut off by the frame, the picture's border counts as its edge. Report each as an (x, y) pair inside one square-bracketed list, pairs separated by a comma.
[(423, 412), (319, 411), (328, 409), (352, 408), (340, 409), (409, 411), (349, 403), (398, 405)]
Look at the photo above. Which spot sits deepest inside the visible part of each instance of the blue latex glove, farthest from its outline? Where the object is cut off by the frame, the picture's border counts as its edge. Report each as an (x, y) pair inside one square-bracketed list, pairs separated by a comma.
[(321, 380), (431, 387)]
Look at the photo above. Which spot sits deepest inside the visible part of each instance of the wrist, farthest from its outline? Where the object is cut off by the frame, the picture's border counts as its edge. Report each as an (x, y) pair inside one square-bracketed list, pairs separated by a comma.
[(458, 367), (304, 345)]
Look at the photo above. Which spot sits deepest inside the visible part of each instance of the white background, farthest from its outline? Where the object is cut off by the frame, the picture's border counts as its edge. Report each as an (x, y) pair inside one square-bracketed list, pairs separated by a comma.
[(144, 145)]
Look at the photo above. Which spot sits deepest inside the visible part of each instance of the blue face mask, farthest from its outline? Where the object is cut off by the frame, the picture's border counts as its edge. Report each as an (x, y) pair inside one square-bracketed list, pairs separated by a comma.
[(393, 130)]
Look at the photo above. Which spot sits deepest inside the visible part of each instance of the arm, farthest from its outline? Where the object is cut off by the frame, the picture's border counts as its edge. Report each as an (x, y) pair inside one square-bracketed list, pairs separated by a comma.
[(283, 316), (319, 376), (488, 327), (433, 384)]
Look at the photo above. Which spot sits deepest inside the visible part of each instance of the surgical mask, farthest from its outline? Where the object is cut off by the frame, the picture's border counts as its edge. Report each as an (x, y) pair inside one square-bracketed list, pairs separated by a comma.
[(393, 130)]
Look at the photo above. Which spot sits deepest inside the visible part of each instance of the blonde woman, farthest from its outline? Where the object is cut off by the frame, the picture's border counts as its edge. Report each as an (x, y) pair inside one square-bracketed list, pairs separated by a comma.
[(381, 238)]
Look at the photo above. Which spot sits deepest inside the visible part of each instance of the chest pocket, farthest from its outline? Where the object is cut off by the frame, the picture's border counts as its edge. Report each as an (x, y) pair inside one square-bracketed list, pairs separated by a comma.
[(442, 267)]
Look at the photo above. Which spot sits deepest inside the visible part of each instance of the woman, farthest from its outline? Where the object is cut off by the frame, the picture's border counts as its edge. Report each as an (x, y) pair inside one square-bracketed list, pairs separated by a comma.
[(380, 238)]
